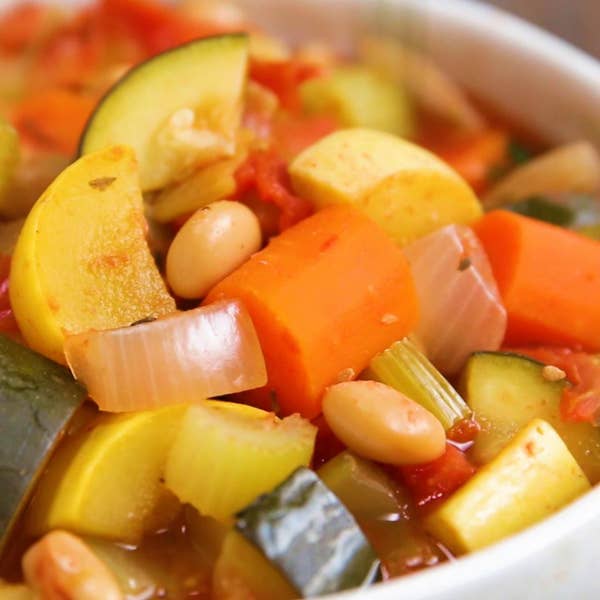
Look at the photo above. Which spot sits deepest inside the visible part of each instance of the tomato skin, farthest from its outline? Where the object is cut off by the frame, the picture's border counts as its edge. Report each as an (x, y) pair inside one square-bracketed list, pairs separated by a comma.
[(432, 482), (291, 134), (580, 402), (265, 173), (283, 78), (21, 26), (155, 26)]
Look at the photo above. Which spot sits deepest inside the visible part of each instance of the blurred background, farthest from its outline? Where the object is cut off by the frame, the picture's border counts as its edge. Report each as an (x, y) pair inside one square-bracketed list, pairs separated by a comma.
[(577, 21)]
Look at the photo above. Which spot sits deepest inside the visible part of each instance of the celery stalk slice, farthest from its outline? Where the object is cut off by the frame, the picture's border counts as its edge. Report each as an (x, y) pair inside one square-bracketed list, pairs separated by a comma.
[(403, 367)]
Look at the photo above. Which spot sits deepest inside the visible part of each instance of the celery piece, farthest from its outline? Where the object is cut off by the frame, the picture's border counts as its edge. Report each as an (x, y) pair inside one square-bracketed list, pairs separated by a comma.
[(533, 477), (403, 367), (227, 454)]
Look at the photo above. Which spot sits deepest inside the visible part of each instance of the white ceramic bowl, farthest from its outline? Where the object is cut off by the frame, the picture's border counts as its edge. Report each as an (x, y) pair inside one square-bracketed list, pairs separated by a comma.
[(554, 89)]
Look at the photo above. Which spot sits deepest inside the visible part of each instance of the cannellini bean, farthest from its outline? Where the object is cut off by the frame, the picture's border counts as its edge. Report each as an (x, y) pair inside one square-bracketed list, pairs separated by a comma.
[(377, 422), (216, 240), (61, 567)]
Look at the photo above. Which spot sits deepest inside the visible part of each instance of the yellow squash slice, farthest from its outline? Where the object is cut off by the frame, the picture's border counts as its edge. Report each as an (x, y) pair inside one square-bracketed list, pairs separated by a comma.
[(82, 261)]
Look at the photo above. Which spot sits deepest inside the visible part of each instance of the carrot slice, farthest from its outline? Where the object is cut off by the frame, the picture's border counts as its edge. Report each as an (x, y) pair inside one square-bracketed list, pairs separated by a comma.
[(325, 296), (54, 119), (549, 280)]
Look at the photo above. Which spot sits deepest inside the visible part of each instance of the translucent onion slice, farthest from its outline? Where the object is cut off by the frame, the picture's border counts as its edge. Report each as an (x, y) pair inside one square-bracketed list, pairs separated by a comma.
[(187, 356), (570, 169), (460, 305)]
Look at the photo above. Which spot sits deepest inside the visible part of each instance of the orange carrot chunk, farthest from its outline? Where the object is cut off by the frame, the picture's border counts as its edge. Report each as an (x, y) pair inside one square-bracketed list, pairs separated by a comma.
[(325, 296), (549, 280)]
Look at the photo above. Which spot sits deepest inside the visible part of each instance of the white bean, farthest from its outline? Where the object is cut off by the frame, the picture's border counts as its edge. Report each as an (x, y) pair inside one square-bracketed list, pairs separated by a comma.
[(216, 240), (378, 422)]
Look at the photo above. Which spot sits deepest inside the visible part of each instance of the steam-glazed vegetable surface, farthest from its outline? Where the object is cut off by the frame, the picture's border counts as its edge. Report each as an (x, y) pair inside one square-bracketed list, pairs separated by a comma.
[(275, 322)]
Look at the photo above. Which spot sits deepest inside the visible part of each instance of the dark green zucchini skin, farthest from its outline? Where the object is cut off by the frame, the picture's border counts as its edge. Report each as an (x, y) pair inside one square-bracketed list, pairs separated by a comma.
[(38, 398), (310, 536)]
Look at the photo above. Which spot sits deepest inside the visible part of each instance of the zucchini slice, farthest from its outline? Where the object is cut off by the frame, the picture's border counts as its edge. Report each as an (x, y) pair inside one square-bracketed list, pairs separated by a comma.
[(38, 398), (309, 535), (506, 391), (178, 111)]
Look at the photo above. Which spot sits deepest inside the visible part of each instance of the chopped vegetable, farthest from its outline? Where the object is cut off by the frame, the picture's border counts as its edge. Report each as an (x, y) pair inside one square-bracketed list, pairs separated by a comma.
[(283, 77), (549, 301), (38, 398), (364, 488), (105, 480), (475, 155), (158, 27), (266, 173), (581, 400), (573, 168), (384, 512), (531, 478), (327, 553), (226, 454), (377, 422), (213, 182), (82, 261), (424, 80), (242, 571), (404, 188), (183, 127), (183, 357), (406, 369), (507, 391), (461, 310), (435, 481), (311, 323), (9, 158), (360, 97), (54, 119)]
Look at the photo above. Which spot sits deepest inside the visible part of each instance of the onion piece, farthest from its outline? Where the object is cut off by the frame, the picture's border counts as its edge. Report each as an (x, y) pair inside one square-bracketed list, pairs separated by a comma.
[(570, 169), (424, 80), (461, 310), (184, 357)]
